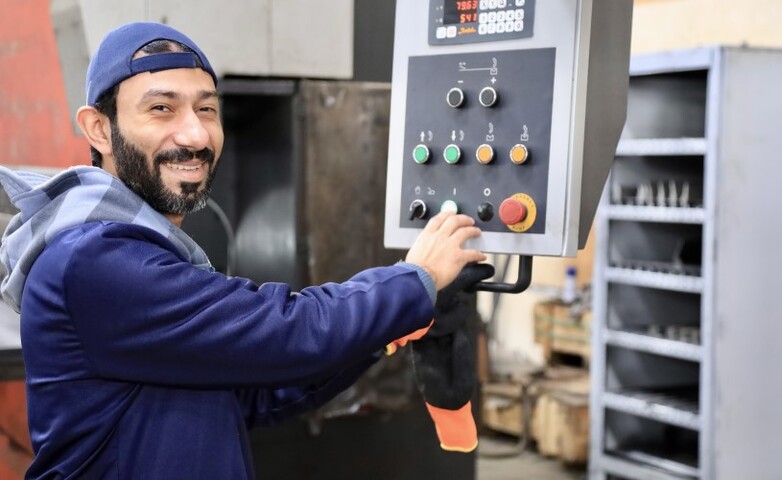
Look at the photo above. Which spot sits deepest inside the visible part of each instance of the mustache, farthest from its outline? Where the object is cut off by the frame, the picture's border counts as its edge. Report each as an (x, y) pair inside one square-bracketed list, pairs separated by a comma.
[(183, 155)]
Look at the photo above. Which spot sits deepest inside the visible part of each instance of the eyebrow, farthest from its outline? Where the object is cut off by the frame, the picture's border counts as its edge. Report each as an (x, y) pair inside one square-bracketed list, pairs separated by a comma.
[(155, 93)]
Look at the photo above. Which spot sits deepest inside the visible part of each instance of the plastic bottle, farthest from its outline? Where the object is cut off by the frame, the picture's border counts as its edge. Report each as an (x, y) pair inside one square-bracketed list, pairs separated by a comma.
[(569, 288)]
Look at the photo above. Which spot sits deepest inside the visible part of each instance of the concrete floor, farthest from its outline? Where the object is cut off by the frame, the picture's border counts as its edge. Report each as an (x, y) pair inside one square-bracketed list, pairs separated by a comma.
[(527, 466)]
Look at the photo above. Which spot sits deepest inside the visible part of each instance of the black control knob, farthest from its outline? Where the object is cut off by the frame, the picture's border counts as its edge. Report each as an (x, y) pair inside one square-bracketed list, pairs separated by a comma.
[(418, 210), (455, 97), (486, 211), (488, 97)]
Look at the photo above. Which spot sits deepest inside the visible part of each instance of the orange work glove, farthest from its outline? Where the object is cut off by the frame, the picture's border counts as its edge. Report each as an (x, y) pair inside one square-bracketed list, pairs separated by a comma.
[(392, 347), (444, 363), (455, 428)]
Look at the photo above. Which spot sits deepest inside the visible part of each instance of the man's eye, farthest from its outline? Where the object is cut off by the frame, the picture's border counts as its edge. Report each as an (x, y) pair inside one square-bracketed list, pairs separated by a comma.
[(161, 108)]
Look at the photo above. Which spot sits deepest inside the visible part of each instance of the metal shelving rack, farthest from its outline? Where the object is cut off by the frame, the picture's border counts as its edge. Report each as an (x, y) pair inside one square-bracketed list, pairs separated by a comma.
[(686, 333)]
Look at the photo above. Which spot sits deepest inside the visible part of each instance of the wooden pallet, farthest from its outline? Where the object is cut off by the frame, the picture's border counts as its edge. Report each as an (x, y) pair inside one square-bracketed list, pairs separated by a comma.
[(560, 417)]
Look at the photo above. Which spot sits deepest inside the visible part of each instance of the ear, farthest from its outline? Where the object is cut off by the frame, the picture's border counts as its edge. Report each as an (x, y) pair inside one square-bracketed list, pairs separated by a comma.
[(96, 128)]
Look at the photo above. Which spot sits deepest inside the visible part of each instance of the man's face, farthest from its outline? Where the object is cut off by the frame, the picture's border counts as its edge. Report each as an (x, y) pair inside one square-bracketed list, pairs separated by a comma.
[(168, 138)]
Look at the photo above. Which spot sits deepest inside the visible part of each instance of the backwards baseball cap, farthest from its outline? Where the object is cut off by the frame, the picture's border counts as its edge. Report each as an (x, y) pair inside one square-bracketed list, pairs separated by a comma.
[(113, 62)]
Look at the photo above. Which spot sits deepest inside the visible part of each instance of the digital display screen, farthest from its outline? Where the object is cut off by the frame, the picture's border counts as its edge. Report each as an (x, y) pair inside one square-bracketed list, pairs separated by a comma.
[(457, 12)]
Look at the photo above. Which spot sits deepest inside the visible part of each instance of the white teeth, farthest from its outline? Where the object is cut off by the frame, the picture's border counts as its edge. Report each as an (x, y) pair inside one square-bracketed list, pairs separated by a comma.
[(184, 167)]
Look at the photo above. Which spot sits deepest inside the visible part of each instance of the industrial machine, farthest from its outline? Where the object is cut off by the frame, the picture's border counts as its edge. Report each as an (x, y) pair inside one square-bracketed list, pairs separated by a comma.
[(508, 111)]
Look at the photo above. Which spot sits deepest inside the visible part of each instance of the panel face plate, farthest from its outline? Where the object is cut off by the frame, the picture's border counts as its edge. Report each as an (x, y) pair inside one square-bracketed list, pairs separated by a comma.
[(522, 115)]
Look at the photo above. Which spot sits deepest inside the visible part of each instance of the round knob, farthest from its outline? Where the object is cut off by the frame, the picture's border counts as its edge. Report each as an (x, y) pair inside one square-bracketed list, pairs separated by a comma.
[(488, 97), (421, 154), (455, 97), (485, 154), (512, 211), (452, 154), (417, 210), (519, 154), (486, 211)]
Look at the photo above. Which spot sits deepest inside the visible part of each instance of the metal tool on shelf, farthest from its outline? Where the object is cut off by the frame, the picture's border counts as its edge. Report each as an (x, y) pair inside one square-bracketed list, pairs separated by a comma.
[(658, 267), (679, 333), (654, 194)]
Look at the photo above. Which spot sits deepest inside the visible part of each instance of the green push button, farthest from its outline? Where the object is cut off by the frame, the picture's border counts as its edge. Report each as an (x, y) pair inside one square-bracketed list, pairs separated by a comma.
[(421, 154), (452, 154)]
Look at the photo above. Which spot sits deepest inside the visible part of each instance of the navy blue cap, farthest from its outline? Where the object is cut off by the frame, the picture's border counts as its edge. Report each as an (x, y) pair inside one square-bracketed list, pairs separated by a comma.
[(113, 62)]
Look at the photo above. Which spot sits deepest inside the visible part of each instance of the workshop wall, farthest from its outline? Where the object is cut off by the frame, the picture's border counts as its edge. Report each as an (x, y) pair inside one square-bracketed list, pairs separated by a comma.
[(657, 25), (672, 24)]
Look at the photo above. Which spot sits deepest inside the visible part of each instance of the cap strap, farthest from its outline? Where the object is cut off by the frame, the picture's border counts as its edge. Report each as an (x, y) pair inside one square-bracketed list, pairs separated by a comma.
[(164, 61)]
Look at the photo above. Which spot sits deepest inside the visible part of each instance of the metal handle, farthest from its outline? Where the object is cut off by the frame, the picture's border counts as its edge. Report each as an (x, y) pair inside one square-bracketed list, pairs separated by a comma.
[(522, 282)]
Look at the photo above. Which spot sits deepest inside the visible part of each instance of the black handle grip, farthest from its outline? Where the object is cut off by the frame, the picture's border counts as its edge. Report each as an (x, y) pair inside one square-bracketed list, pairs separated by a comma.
[(522, 282)]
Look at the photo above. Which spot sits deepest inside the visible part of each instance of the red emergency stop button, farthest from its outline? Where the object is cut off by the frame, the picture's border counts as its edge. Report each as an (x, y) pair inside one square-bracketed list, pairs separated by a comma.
[(519, 212), (512, 211)]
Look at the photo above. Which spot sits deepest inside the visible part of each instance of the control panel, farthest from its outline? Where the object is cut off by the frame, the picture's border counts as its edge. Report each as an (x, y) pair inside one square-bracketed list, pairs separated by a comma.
[(466, 21), (508, 111), (482, 137)]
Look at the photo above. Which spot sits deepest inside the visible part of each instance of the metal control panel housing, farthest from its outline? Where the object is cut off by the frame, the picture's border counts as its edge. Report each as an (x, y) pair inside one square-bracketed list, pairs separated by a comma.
[(516, 129)]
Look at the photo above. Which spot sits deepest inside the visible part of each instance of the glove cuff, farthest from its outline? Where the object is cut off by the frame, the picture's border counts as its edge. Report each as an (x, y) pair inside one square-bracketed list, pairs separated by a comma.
[(392, 347), (455, 428)]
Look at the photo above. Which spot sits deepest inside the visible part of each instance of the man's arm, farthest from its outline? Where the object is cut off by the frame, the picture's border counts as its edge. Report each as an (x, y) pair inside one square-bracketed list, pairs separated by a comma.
[(267, 406), (144, 315)]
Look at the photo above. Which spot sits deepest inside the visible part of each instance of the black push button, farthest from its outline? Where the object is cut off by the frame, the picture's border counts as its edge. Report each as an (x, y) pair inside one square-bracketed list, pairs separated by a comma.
[(455, 97), (486, 211)]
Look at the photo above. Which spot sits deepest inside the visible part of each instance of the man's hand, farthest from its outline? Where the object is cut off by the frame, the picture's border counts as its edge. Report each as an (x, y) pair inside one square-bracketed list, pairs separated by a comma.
[(438, 249)]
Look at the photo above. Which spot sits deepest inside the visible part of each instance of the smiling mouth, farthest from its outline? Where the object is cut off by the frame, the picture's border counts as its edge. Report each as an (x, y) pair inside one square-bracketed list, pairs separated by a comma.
[(185, 168)]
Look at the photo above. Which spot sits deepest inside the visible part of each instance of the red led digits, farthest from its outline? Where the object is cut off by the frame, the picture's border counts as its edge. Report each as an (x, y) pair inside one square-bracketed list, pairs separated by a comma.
[(467, 5), (460, 12)]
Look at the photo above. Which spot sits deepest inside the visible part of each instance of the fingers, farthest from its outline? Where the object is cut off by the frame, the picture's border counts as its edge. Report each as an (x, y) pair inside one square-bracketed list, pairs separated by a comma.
[(436, 222), (456, 222), (448, 222), (460, 229), (474, 256), (466, 233), (439, 249)]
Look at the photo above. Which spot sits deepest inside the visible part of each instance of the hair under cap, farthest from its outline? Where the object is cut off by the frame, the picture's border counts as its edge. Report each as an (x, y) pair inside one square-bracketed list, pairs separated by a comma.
[(113, 62)]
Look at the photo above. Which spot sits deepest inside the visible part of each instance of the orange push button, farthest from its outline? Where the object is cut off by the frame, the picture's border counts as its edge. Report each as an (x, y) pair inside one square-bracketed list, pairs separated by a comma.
[(485, 154), (512, 211), (519, 154)]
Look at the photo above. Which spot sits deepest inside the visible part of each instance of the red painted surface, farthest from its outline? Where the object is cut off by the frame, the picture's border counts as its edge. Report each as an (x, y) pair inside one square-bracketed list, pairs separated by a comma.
[(35, 128), (15, 450), (13, 460), (13, 413)]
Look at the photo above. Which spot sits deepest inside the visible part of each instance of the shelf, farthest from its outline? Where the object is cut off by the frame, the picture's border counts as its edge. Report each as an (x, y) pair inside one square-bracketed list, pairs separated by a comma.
[(660, 280), (699, 58), (656, 214), (639, 465), (678, 408), (642, 147), (658, 346)]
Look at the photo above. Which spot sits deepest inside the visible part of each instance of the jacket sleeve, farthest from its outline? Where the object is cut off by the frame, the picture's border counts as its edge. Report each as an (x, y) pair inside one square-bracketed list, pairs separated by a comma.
[(265, 406), (145, 315)]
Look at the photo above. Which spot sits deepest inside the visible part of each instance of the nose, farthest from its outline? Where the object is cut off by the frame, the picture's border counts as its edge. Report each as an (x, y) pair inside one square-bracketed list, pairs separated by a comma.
[(190, 132)]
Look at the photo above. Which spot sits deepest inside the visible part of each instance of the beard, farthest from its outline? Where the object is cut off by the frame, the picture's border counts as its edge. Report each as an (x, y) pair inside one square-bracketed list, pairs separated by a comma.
[(146, 182)]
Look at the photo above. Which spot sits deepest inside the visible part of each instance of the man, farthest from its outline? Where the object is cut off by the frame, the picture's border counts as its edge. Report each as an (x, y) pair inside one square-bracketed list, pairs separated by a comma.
[(142, 362)]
